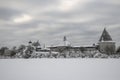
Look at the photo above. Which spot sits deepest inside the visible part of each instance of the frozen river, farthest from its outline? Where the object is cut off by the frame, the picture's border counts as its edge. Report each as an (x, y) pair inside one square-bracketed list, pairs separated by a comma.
[(60, 69)]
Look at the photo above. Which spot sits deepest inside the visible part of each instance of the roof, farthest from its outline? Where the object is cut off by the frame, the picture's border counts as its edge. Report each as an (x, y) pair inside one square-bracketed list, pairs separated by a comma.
[(85, 46), (105, 36)]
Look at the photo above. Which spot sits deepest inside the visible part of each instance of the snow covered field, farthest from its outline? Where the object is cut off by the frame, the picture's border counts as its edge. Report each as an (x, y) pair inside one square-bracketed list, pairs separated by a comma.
[(59, 69)]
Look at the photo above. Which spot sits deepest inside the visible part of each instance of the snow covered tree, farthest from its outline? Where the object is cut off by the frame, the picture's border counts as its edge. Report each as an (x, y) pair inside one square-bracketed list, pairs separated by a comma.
[(118, 50), (2, 50)]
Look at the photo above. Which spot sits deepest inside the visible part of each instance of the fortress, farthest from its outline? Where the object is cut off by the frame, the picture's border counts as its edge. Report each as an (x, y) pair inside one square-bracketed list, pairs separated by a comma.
[(105, 45), (104, 48)]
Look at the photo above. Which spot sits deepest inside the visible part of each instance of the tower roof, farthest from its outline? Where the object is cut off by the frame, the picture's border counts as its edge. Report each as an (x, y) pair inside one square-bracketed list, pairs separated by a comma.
[(105, 36)]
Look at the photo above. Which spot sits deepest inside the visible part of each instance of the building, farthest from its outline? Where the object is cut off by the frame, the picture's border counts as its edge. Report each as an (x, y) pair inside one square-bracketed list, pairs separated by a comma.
[(106, 44), (37, 46), (65, 45)]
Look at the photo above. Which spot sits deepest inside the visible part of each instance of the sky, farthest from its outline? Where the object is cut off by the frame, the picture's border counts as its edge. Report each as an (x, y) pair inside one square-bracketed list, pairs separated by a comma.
[(82, 21)]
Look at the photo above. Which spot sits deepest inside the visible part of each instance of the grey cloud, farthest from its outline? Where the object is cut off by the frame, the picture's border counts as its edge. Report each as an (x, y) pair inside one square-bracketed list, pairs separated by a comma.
[(41, 2), (57, 23), (8, 13)]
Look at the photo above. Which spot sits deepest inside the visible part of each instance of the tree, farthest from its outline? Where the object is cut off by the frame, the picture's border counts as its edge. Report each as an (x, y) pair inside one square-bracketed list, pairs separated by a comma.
[(28, 52), (2, 50), (21, 48), (13, 51), (118, 50)]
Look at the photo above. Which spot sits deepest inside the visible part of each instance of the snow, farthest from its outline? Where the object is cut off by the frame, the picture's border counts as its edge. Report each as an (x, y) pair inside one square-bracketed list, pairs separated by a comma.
[(108, 41), (59, 69)]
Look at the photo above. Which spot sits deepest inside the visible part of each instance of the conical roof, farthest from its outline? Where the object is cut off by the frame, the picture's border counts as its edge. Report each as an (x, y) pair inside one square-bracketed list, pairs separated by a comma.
[(105, 36)]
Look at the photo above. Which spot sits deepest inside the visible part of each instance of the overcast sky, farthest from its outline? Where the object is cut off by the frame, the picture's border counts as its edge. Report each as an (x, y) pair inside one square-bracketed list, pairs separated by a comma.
[(82, 21)]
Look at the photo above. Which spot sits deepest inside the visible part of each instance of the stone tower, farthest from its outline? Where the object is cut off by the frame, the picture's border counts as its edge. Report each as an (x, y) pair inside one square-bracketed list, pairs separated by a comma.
[(106, 44)]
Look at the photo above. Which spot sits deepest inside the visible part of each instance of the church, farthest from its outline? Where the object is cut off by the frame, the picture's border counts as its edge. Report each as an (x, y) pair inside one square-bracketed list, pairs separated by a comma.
[(66, 45)]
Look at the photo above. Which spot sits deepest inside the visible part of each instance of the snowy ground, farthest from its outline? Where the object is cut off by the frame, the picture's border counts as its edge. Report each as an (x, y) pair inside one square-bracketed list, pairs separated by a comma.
[(59, 69)]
